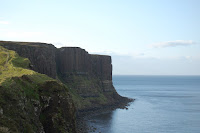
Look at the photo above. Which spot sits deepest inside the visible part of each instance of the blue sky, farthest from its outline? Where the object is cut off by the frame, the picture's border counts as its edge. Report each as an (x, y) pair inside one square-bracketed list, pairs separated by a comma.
[(144, 37)]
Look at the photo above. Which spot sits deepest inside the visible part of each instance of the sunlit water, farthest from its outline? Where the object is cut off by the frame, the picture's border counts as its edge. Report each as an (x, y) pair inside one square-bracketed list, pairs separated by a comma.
[(164, 104)]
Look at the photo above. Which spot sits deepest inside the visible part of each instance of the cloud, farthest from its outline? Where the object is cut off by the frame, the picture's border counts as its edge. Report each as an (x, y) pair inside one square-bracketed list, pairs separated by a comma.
[(4, 22), (174, 43)]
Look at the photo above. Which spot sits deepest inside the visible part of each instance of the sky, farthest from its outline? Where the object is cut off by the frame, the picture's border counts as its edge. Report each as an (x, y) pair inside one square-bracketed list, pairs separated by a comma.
[(144, 37)]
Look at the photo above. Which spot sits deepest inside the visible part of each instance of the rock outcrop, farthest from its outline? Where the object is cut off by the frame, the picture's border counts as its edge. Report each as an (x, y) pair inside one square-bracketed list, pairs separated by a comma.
[(89, 75), (49, 109)]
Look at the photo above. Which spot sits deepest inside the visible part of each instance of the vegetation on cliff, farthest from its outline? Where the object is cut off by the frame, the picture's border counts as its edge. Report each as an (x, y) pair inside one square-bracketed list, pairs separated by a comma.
[(87, 93), (30, 101), (12, 65)]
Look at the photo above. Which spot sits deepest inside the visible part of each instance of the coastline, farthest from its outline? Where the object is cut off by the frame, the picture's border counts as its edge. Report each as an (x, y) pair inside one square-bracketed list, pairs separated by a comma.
[(83, 117)]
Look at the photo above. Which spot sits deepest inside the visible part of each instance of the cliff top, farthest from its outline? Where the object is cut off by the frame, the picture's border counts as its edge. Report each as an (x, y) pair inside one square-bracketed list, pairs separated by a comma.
[(39, 44), (34, 44)]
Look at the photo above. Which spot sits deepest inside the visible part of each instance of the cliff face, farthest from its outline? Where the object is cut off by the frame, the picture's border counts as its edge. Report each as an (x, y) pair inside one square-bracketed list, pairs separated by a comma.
[(102, 66), (78, 61), (73, 60), (88, 76), (42, 56)]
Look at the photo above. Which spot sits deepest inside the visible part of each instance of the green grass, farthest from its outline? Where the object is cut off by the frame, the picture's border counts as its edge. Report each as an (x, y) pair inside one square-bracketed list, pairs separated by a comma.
[(12, 65), (20, 62)]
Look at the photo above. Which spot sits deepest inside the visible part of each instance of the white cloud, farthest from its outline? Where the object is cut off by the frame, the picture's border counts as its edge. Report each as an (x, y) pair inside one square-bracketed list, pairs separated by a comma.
[(4, 22), (174, 43)]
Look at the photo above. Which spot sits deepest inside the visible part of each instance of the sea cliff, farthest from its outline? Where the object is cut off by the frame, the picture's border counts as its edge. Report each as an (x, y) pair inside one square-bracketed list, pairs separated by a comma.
[(86, 78)]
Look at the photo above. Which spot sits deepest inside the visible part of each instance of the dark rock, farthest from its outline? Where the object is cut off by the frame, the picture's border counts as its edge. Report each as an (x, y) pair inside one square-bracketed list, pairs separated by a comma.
[(89, 73), (102, 67), (73, 60)]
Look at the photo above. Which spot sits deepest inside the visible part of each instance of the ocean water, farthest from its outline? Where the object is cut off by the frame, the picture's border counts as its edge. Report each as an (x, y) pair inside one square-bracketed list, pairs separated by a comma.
[(164, 104)]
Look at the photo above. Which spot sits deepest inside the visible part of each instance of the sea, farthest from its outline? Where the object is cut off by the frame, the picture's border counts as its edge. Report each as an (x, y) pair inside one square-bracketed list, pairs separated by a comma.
[(163, 104)]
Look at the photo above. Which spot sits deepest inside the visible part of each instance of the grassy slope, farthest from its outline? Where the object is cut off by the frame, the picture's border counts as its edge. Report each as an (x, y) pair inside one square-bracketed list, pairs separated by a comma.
[(12, 65)]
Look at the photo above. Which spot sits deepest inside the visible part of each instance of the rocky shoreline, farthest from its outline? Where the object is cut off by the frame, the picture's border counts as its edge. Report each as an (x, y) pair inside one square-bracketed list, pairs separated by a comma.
[(83, 117)]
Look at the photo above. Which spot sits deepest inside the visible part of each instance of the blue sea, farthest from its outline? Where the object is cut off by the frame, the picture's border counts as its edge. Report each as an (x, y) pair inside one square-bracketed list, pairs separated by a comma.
[(164, 104)]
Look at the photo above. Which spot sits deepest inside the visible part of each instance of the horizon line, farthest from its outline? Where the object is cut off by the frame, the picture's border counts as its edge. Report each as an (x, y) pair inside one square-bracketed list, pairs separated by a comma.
[(150, 75)]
